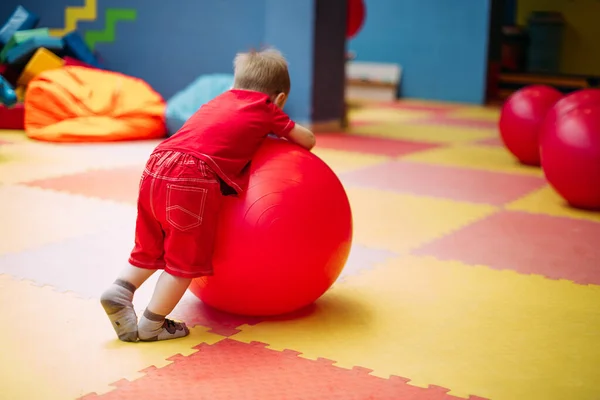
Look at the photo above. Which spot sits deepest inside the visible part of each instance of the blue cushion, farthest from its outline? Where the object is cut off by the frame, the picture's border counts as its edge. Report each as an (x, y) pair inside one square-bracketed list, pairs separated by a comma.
[(20, 20), (75, 47), (185, 103), (8, 97), (22, 53)]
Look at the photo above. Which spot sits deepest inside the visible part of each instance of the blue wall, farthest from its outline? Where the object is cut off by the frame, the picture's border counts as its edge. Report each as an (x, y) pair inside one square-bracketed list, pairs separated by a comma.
[(289, 27), (441, 45), (171, 43)]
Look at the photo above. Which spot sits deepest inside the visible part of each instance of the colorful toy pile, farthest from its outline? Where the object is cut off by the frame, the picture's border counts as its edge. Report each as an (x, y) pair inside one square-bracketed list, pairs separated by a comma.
[(540, 127), (25, 52)]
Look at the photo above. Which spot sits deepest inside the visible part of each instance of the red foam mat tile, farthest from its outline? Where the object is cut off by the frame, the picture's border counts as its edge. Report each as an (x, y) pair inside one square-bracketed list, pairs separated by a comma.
[(555, 247)]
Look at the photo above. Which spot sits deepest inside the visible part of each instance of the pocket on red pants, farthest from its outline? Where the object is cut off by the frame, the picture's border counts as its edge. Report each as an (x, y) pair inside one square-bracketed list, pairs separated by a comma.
[(185, 206)]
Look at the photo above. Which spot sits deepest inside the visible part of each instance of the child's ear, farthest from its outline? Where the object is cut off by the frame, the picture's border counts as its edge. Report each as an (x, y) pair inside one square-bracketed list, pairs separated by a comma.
[(280, 100)]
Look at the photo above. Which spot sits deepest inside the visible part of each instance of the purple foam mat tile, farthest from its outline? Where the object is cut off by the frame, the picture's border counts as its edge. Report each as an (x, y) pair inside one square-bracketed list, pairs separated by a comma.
[(86, 265), (364, 258), (83, 265)]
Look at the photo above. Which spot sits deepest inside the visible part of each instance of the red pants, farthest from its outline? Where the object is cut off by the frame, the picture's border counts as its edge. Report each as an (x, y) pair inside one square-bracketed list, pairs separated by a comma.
[(178, 208)]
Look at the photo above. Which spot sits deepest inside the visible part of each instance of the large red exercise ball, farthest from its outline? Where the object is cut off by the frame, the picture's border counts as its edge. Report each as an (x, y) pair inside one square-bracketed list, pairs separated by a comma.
[(521, 120), (282, 243), (355, 17), (570, 150)]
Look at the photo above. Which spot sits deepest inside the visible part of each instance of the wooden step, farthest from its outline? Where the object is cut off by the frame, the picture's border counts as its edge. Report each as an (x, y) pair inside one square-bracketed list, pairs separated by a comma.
[(551, 80)]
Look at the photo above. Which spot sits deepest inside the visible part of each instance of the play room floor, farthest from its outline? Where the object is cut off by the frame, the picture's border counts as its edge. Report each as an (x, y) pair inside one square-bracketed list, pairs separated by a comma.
[(468, 277)]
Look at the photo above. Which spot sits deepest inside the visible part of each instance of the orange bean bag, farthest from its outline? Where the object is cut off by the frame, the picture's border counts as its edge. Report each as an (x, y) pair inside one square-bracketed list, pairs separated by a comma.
[(78, 104)]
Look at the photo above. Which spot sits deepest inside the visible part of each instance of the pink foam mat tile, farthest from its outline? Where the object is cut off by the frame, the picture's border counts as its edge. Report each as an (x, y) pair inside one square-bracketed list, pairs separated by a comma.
[(371, 145), (461, 184), (118, 184), (492, 142), (458, 122), (438, 109)]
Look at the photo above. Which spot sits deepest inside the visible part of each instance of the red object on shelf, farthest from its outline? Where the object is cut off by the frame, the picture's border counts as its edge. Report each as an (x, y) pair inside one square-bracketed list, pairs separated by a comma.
[(70, 61), (514, 49), (13, 117), (356, 17)]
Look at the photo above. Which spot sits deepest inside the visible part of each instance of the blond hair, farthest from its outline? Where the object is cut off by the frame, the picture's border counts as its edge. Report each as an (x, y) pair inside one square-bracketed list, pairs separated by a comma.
[(263, 71)]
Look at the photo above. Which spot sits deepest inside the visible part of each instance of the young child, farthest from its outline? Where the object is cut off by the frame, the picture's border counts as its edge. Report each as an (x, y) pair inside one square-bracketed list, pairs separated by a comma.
[(182, 186)]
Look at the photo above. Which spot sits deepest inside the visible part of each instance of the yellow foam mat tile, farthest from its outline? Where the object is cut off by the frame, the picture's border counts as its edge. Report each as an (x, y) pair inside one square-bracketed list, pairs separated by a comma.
[(547, 201), (342, 161), (13, 136), (27, 161), (488, 158), (32, 217), (400, 222), (424, 133), (386, 115), (21, 162), (428, 103), (58, 346), (474, 330), (114, 154), (491, 114)]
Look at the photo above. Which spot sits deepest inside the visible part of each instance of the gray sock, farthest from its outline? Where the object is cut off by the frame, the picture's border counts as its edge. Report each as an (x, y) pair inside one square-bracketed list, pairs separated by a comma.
[(117, 303), (153, 327)]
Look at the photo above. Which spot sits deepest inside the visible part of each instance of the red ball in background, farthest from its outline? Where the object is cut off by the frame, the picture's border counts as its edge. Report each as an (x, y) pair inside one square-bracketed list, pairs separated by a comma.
[(355, 17), (522, 118), (284, 242), (579, 98), (570, 150)]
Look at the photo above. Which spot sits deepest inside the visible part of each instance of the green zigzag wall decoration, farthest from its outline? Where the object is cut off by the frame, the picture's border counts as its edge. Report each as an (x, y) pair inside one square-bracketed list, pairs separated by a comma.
[(108, 34)]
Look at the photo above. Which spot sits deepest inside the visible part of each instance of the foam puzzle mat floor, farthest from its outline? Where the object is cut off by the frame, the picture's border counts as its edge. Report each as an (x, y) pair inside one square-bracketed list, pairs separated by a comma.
[(468, 278)]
